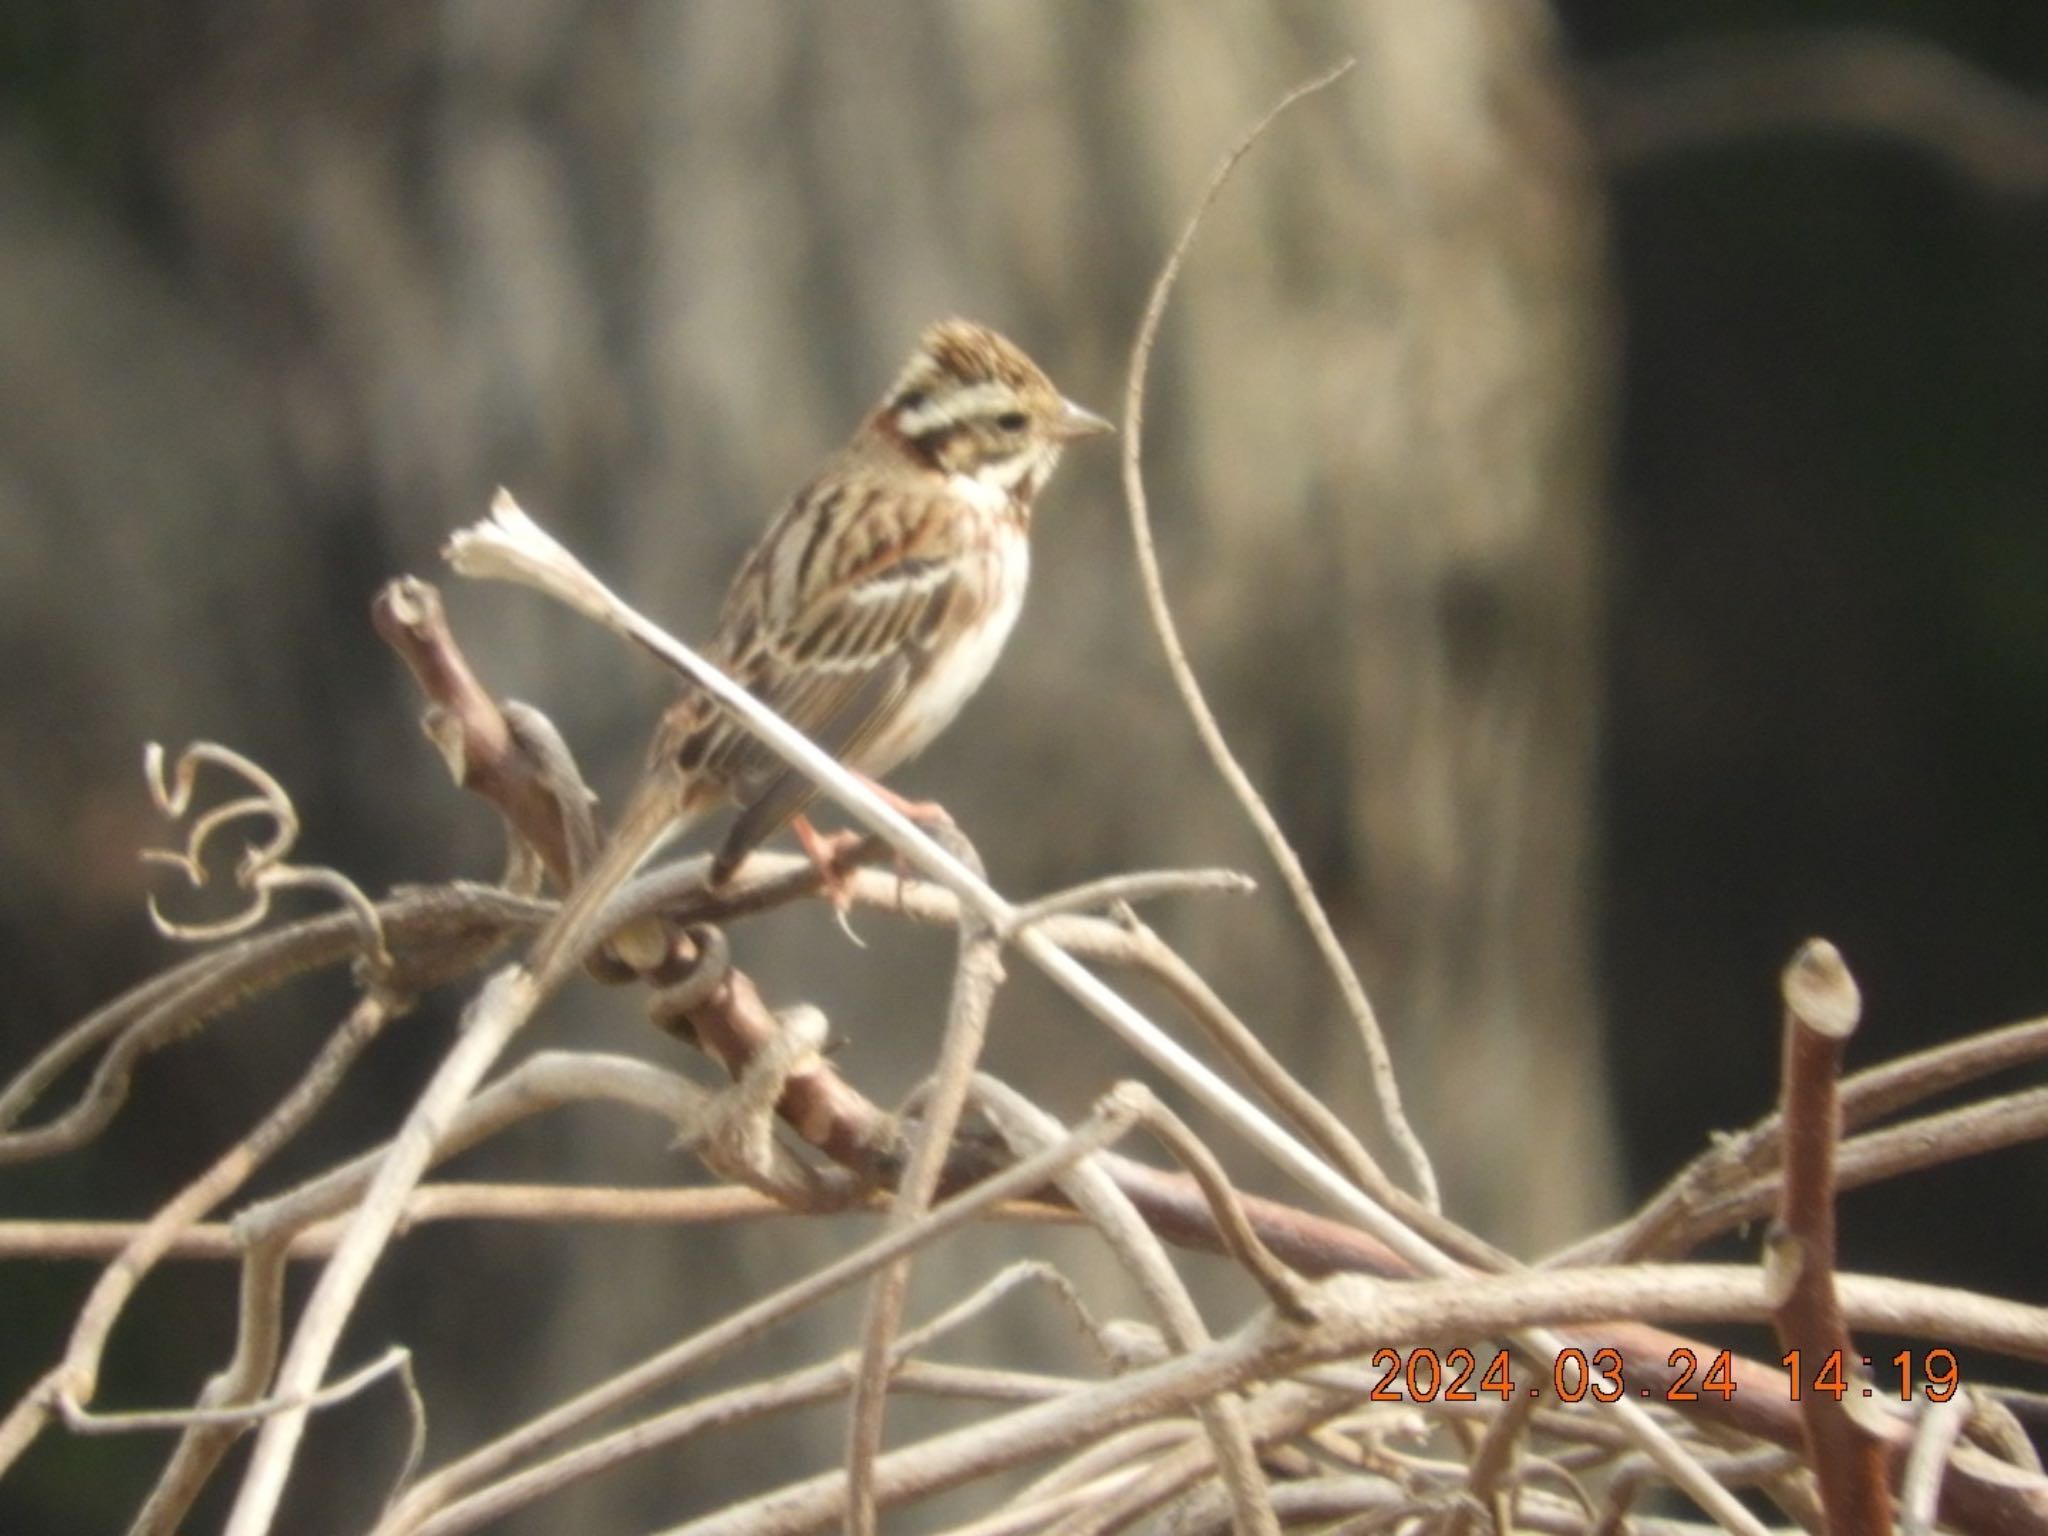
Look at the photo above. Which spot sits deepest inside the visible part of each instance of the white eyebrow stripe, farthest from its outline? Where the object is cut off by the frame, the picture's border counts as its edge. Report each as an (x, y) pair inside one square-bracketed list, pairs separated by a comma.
[(949, 406)]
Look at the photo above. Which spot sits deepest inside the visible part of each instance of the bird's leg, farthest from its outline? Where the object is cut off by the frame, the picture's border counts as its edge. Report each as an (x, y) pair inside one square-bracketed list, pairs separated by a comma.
[(926, 813), (825, 850)]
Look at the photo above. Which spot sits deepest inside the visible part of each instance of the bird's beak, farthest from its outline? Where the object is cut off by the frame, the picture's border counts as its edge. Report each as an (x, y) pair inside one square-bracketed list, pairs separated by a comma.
[(1078, 421)]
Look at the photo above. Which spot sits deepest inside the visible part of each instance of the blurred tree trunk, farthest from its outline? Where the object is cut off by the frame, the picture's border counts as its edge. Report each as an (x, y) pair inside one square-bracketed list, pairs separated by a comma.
[(646, 263), (1473, 604)]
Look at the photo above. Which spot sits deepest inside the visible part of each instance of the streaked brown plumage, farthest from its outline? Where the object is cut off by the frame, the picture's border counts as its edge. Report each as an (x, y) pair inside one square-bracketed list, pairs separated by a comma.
[(876, 603)]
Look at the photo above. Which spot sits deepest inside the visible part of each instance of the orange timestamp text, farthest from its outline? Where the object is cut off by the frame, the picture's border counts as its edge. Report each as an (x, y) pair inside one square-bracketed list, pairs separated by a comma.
[(1422, 1376)]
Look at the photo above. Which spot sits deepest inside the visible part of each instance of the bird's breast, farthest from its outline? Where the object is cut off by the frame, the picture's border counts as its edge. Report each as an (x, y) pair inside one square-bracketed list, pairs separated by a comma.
[(959, 664)]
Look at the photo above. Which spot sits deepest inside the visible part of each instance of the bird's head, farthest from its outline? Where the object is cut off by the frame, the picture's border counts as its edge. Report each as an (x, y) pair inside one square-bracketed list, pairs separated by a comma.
[(970, 403)]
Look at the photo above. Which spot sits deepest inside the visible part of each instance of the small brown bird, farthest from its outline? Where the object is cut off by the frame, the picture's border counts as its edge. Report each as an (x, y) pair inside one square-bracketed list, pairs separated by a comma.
[(879, 599)]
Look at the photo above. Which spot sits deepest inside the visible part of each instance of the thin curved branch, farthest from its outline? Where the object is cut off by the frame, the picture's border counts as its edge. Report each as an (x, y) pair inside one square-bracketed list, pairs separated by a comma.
[(1379, 1060), (1028, 1128), (977, 974), (1735, 1179), (1114, 1115), (814, 1384), (1137, 885), (74, 1380), (395, 1361), (1286, 1291), (455, 1200), (436, 935), (267, 1232)]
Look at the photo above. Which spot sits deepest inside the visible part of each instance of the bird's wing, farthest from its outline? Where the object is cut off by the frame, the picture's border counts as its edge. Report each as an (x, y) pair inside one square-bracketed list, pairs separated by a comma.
[(840, 669), (784, 792)]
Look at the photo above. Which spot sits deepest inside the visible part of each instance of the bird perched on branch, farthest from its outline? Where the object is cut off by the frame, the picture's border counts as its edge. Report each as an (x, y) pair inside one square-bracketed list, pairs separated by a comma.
[(874, 605)]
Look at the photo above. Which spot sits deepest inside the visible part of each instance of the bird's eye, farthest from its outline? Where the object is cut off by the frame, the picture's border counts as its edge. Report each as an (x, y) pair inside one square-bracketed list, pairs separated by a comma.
[(909, 400), (1013, 421)]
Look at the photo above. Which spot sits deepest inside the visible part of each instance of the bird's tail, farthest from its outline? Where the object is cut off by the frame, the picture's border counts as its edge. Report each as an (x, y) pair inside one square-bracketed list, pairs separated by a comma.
[(658, 810)]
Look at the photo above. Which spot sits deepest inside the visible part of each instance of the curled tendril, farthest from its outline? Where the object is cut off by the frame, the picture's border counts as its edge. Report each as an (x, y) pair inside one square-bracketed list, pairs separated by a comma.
[(261, 871)]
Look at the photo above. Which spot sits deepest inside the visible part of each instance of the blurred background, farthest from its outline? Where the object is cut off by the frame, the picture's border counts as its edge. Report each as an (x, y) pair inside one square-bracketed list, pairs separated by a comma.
[(1598, 452)]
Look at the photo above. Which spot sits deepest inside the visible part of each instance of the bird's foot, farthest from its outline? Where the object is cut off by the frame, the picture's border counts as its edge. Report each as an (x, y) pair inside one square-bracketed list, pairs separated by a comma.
[(828, 853), (831, 853)]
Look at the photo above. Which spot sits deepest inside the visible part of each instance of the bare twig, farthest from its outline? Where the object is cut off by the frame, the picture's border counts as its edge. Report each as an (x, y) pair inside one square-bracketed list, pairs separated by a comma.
[(1114, 1115), (1981, 1496), (729, 1020), (1028, 1128), (437, 932), (1285, 1411), (542, 1082), (529, 1204), (1248, 1051), (1138, 885), (395, 1361), (1920, 1484), (1927, 1142), (1821, 1012), (1378, 1058), (1259, 1216), (1029, 1515), (499, 1011), (1285, 1290), (1008, 1440), (111, 1021), (1126, 1449), (267, 1232), (436, 935), (259, 1335), (1893, 1085), (977, 973), (840, 1122), (1730, 1182), (725, 1410), (72, 1383), (1492, 1462), (1281, 1233), (1133, 945), (814, 1384), (732, 1023), (737, 1139), (527, 774), (1289, 1412)]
